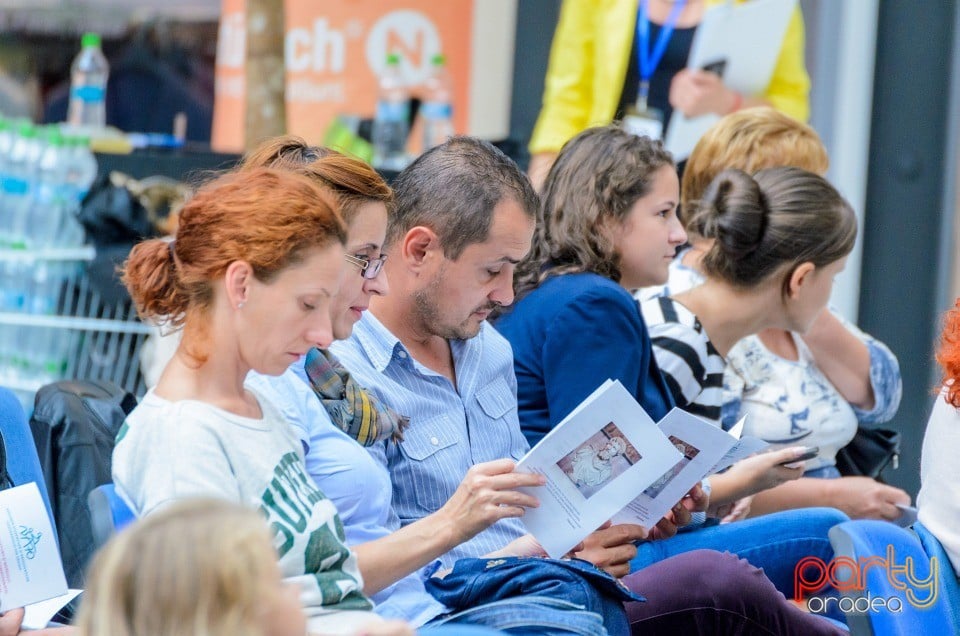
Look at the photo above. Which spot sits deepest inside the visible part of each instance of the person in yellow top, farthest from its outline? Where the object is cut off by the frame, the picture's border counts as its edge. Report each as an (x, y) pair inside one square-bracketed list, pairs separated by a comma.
[(597, 65)]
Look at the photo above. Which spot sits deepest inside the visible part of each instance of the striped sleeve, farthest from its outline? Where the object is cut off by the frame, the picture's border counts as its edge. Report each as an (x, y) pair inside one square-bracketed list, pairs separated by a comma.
[(690, 364)]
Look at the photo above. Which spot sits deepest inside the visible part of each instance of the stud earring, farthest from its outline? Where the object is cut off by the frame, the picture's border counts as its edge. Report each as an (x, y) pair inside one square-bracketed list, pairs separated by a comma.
[(240, 305)]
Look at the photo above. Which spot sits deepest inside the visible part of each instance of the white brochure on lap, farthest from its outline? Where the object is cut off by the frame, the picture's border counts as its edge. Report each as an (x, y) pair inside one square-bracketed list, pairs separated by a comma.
[(30, 567), (609, 460), (595, 461)]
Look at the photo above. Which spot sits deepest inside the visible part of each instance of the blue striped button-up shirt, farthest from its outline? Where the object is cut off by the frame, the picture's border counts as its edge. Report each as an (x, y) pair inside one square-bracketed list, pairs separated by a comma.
[(451, 427)]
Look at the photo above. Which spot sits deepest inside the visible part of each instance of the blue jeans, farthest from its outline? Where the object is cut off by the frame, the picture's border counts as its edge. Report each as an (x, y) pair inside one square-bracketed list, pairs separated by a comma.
[(454, 629), (523, 615), (532, 589), (774, 542)]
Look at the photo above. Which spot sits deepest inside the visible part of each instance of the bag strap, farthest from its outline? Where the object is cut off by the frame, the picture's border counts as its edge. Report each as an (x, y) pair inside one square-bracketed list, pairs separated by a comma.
[(5, 480)]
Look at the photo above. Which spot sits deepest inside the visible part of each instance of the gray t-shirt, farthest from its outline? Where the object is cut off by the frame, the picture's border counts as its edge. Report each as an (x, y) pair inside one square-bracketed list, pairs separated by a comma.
[(168, 451)]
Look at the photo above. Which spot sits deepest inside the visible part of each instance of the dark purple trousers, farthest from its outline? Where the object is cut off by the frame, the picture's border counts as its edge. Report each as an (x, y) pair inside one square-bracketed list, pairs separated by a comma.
[(709, 592)]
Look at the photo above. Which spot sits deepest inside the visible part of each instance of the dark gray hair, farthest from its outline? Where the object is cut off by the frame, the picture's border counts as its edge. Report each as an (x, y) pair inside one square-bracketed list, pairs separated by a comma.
[(776, 219), (453, 189)]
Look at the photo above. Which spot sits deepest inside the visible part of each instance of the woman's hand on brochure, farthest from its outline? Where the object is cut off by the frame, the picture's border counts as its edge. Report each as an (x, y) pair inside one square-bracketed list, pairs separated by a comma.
[(755, 474), (486, 495), (611, 547)]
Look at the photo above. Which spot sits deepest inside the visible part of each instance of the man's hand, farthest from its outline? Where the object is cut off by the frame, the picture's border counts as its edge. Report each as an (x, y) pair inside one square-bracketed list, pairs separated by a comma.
[(486, 495), (611, 547)]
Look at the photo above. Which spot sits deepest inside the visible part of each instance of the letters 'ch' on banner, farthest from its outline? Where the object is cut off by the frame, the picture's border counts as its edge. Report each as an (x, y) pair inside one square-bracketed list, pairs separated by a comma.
[(335, 50)]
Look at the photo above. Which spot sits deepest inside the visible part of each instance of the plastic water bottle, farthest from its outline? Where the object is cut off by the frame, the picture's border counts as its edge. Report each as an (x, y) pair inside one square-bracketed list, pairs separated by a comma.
[(50, 203), (7, 136), (88, 85), (79, 172), (391, 122), (437, 107), (19, 185)]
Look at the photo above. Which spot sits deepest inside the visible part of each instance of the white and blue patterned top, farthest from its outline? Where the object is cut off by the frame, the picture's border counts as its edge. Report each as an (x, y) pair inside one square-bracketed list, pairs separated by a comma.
[(451, 427), (791, 402)]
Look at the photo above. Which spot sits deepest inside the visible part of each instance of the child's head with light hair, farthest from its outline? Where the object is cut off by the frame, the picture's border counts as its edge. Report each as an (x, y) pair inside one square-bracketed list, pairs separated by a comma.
[(198, 567)]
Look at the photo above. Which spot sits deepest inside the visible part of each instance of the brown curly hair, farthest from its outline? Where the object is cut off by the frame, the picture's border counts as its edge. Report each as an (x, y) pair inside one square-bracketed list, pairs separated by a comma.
[(598, 175)]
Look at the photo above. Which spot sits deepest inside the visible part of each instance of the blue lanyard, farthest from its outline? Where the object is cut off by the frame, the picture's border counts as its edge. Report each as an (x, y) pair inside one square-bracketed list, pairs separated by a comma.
[(647, 60)]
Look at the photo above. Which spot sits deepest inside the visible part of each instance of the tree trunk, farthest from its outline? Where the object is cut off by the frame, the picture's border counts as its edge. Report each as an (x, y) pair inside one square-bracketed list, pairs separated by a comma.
[(266, 114)]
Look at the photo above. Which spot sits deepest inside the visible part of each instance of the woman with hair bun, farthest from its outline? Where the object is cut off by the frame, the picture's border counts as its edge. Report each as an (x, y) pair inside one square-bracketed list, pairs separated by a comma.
[(778, 239), (814, 389)]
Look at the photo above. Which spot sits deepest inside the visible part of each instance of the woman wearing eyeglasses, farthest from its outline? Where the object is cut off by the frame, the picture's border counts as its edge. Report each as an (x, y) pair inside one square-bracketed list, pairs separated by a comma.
[(363, 198)]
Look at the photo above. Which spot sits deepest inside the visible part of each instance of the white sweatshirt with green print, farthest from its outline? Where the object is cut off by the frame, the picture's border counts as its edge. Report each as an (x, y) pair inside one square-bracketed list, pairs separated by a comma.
[(168, 451)]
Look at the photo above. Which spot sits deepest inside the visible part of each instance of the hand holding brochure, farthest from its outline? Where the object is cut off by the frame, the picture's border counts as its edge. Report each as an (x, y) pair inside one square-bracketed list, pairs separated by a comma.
[(30, 567), (701, 445), (608, 460), (595, 461)]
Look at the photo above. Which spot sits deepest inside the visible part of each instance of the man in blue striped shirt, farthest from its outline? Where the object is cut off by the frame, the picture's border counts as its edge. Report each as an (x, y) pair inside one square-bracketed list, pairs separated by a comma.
[(464, 219)]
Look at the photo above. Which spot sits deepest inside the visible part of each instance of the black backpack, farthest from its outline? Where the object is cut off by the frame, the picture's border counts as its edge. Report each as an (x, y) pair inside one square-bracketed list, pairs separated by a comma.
[(74, 425)]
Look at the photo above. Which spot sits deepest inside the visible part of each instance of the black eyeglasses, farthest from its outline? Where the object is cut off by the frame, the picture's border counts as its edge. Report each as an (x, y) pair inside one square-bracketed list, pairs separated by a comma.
[(369, 267)]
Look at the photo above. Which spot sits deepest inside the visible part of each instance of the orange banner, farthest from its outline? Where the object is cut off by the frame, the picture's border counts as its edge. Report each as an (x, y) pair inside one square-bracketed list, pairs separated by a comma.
[(334, 51)]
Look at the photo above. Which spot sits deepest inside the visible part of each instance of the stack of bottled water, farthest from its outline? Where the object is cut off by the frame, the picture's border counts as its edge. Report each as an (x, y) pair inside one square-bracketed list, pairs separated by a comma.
[(44, 176)]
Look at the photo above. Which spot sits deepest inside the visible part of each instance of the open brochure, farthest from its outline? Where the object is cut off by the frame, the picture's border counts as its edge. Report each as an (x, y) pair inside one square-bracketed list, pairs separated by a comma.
[(705, 450), (609, 460), (30, 567)]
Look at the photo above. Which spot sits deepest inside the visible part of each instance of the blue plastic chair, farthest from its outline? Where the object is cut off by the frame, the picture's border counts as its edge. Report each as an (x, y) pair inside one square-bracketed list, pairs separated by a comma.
[(864, 539), (108, 513), (948, 584), (23, 464)]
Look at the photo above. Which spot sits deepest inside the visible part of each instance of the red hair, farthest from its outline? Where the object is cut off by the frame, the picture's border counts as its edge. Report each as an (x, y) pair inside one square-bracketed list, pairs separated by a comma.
[(948, 354), (266, 217)]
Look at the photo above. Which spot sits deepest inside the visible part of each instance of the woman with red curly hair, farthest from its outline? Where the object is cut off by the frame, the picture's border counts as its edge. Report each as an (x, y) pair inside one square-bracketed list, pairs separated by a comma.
[(939, 498)]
